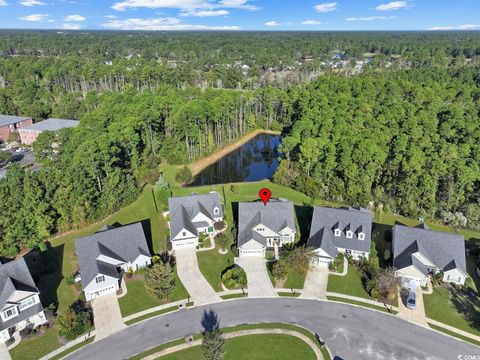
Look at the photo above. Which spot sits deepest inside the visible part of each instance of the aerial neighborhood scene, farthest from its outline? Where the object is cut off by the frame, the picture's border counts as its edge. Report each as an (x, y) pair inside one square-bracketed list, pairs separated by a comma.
[(239, 179)]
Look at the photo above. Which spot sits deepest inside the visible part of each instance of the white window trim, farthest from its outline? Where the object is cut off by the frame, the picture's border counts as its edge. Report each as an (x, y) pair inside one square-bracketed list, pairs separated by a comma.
[(338, 232), (216, 211), (99, 279), (349, 234), (5, 317), (361, 236), (21, 306)]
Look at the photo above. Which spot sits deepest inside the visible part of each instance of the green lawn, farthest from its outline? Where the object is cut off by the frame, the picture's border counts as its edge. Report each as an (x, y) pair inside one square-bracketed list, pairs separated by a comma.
[(234, 296), (139, 299), (464, 338), (462, 312), (36, 347), (150, 315), (211, 264), (289, 294), (472, 271), (263, 346), (350, 284), (72, 349), (294, 280)]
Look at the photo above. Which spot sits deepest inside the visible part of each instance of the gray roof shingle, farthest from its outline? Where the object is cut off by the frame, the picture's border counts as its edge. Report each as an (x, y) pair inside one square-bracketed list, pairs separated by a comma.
[(52, 125), (326, 219), (444, 250), (276, 215), (6, 120), (125, 244), (14, 275), (184, 208)]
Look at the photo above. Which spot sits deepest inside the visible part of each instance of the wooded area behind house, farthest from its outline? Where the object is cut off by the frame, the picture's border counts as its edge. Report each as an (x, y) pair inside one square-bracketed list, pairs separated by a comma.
[(403, 131)]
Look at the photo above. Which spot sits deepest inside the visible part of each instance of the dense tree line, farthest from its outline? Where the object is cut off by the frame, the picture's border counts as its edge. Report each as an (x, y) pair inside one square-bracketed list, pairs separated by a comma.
[(406, 140)]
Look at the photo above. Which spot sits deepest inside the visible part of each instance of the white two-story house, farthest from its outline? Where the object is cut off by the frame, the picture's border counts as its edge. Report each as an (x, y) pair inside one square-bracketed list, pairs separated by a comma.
[(191, 216), (104, 257), (345, 230), (19, 299), (419, 252), (262, 227)]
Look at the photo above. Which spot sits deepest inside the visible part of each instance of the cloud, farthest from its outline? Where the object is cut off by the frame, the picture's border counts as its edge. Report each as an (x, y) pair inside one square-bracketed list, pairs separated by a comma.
[(75, 17), (34, 17), (311, 22), (159, 24), (370, 18), (326, 7), (393, 5), (459, 27), (70, 26), (276, 23), (204, 13), (3, 3), (31, 3), (183, 4), (110, 16)]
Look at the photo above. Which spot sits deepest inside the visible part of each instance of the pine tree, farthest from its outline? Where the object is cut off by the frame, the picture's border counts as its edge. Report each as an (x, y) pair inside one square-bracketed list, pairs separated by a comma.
[(159, 280), (213, 344)]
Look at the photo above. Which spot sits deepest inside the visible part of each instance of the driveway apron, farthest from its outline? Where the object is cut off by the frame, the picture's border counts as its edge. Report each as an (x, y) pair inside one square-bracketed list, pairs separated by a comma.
[(191, 277), (259, 284), (107, 316), (315, 286)]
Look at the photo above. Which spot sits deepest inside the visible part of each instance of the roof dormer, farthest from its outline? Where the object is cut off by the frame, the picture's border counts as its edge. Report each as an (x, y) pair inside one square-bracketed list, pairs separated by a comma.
[(349, 234), (360, 233)]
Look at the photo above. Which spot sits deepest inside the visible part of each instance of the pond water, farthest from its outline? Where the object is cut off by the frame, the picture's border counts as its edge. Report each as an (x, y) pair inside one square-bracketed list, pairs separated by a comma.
[(253, 161)]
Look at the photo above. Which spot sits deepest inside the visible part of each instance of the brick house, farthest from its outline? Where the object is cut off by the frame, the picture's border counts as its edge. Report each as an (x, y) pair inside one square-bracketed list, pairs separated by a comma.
[(30, 133), (9, 124)]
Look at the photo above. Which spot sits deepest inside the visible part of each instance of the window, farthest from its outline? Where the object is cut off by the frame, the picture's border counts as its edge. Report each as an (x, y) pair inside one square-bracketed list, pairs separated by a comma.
[(338, 232), (361, 236), (349, 234), (184, 233), (7, 314), (216, 211), (100, 279), (27, 303)]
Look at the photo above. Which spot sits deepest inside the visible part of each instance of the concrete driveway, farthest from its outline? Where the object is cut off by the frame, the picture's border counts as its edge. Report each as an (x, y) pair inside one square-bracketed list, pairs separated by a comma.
[(315, 286), (4, 354), (259, 284), (107, 316), (190, 275), (416, 315)]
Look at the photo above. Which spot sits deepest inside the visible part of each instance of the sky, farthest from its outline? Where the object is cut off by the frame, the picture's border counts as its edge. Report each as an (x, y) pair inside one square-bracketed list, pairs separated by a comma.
[(234, 15)]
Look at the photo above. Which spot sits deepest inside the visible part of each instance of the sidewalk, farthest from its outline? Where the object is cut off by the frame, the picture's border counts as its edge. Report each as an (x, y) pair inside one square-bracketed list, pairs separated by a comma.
[(299, 335)]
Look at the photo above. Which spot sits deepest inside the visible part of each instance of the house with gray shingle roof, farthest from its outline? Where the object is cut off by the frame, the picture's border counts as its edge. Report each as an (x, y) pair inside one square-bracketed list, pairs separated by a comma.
[(10, 124), (30, 133), (419, 252), (20, 304), (191, 216), (262, 227), (104, 257), (334, 230)]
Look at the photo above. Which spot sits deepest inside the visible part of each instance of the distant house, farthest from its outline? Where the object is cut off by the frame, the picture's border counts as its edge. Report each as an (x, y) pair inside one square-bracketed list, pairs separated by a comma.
[(10, 124), (262, 227), (104, 257), (419, 252), (191, 216), (346, 230), (19, 299), (30, 133)]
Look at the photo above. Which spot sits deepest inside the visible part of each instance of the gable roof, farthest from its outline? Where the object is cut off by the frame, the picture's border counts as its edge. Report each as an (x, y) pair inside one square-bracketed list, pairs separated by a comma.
[(125, 244), (52, 125), (6, 120), (14, 275), (446, 251), (276, 215), (326, 219), (184, 208)]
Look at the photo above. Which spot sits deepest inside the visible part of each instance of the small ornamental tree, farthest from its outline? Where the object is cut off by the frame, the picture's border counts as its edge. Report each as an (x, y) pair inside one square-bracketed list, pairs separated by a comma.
[(184, 175), (298, 259), (159, 280), (279, 270), (221, 240)]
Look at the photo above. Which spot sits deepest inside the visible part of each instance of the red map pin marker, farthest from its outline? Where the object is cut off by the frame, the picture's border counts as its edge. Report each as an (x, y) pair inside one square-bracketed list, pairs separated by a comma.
[(265, 195)]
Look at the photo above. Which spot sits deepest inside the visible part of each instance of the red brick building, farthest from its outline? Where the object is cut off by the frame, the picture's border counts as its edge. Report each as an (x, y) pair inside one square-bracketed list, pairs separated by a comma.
[(9, 124)]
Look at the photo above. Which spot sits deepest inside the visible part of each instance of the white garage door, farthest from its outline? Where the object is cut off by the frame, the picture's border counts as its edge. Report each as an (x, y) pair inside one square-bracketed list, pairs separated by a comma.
[(260, 252), (320, 262), (182, 244), (104, 291)]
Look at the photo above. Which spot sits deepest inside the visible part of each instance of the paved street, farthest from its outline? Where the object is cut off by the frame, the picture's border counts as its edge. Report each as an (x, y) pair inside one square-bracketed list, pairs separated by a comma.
[(197, 286), (350, 332), (107, 316), (316, 281), (259, 284)]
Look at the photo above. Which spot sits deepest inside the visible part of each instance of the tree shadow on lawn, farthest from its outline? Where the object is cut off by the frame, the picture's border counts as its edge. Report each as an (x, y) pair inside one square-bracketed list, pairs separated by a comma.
[(304, 218), (46, 269), (382, 237), (467, 303)]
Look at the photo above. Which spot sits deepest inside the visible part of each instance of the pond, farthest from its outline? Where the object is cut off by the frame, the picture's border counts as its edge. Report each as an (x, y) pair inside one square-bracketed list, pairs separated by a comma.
[(253, 161)]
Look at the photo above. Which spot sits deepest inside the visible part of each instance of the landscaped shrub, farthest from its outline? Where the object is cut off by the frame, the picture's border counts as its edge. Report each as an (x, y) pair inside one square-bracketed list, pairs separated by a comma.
[(279, 270), (184, 175), (234, 277), (221, 240), (74, 321), (234, 188)]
